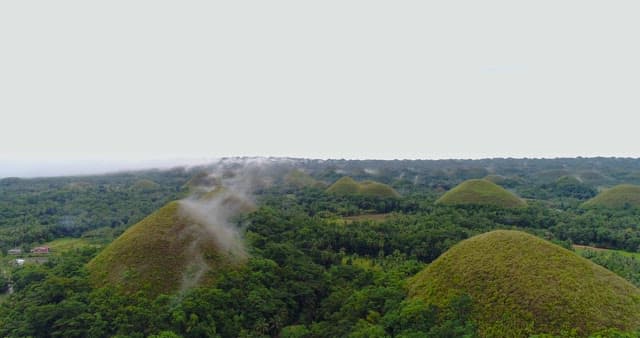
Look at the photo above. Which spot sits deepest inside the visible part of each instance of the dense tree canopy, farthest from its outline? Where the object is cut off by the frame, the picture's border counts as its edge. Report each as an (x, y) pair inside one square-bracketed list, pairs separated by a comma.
[(320, 264)]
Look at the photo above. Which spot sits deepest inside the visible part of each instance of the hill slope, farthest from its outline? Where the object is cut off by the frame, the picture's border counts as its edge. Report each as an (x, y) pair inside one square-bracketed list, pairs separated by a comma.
[(300, 179), (348, 186), (521, 284), (618, 197), (344, 186), (481, 192), (175, 247), (145, 185)]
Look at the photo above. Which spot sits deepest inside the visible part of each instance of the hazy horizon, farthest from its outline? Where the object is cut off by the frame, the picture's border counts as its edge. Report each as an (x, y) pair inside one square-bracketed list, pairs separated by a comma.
[(96, 87), (26, 169)]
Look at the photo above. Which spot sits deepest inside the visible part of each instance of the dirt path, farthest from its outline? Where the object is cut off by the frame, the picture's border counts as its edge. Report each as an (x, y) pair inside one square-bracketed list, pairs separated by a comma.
[(586, 247)]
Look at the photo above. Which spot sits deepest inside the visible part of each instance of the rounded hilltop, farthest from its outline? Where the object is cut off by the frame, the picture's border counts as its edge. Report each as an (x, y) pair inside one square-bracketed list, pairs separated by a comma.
[(481, 192), (619, 197), (344, 186), (178, 246), (300, 179), (377, 189), (348, 186), (520, 285), (145, 185)]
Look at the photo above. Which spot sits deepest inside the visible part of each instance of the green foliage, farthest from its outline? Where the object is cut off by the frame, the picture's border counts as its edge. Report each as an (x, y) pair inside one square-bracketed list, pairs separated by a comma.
[(165, 334), (603, 228), (61, 245), (300, 179), (614, 333), (4, 283), (416, 318), (321, 264), (344, 186), (156, 254), (348, 186), (624, 196), (521, 285), (35, 211), (376, 189), (295, 331), (626, 266), (569, 186), (480, 192), (565, 189), (146, 185)]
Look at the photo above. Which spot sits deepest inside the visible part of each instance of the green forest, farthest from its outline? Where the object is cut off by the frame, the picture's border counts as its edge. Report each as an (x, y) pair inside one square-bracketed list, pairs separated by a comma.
[(333, 248)]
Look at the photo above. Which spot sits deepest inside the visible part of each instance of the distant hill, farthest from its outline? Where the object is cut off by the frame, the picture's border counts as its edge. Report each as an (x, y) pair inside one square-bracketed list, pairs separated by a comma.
[(372, 188), (497, 179), (480, 192), (619, 197), (202, 179), (348, 186), (520, 284), (344, 186), (592, 176), (78, 186), (177, 246), (145, 185), (300, 179), (552, 174), (504, 181)]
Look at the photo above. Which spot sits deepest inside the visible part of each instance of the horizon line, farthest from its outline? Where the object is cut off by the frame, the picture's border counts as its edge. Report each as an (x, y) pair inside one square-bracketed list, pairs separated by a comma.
[(131, 166)]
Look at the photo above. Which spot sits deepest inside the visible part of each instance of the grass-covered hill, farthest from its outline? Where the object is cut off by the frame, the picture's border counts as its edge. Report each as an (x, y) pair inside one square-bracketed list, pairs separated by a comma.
[(344, 186), (619, 197), (300, 179), (481, 192), (520, 284), (145, 185), (162, 253), (348, 186)]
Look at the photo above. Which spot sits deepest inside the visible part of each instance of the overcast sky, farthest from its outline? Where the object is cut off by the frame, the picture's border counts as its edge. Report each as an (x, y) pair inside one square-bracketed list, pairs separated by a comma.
[(96, 85)]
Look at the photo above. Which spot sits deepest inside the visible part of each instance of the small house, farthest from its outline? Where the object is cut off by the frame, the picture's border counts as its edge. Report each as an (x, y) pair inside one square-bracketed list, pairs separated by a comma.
[(40, 250), (20, 262)]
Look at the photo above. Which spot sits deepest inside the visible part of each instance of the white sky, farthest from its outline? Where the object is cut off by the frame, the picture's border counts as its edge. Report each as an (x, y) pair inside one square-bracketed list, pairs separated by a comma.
[(126, 81)]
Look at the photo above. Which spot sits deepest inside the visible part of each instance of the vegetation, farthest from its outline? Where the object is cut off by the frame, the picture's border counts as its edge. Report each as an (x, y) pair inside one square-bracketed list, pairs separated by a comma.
[(344, 186), (146, 185), (521, 284), (319, 264), (158, 255), (497, 179), (481, 192), (622, 196), (299, 179), (348, 186), (62, 245), (375, 189), (35, 211), (367, 217), (569, 186), (625, 264)]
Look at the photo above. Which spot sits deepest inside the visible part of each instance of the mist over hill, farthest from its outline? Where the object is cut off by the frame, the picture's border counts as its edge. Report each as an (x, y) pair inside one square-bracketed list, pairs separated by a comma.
[(282, 247)]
